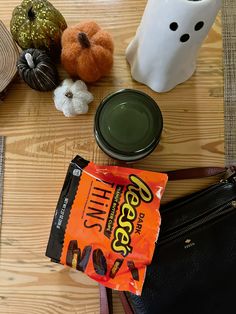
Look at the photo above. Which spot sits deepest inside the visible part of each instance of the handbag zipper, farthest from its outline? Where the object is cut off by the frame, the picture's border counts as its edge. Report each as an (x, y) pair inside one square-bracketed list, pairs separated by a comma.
[(179, 230), (229, 207)]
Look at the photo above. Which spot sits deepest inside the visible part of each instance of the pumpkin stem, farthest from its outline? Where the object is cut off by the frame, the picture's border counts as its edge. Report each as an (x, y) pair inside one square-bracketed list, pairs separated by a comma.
[(30, 60), (84, 40), (69, 95), (31, 14)]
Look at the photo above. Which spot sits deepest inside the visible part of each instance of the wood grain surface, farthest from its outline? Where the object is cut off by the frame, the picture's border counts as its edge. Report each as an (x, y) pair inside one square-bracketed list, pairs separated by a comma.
[(9, 54), (41, 141)]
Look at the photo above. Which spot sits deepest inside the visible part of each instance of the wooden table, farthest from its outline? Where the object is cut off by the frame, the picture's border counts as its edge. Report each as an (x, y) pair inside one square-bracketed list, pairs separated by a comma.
[(40, 142)]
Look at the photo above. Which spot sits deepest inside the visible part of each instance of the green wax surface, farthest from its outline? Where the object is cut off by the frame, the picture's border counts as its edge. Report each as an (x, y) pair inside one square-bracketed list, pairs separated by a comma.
[(130, 122)]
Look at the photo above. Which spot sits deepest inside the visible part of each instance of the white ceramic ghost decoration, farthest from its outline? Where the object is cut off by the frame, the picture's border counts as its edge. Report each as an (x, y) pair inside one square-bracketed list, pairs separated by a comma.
[(164, 51)]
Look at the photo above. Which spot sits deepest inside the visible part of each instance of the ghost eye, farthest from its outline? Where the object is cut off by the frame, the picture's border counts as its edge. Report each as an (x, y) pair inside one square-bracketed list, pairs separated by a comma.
[(174, 26), (199, 26)]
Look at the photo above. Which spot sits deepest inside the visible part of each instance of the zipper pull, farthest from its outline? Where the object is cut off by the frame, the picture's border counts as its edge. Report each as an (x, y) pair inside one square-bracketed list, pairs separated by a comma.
[(230, 175)]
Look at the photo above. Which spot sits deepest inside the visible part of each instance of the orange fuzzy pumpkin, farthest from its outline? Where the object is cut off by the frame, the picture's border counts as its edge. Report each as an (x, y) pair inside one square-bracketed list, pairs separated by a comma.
[(87, 51)]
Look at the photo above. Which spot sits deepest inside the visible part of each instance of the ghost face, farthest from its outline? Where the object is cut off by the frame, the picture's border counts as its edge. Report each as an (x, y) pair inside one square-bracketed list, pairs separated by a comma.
[(185, 37), (164, 50), (188, 20)]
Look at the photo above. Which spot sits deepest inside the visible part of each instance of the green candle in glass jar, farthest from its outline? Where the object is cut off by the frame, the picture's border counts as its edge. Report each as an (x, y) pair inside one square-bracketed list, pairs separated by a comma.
[(128, 125)]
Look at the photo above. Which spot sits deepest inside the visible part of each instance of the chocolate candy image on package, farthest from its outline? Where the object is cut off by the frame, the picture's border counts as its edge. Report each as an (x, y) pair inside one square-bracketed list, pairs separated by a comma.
[(99, 262), (115, 268), (82, 264), (74, 258), (71, 252), (133, 270), (107, 222)]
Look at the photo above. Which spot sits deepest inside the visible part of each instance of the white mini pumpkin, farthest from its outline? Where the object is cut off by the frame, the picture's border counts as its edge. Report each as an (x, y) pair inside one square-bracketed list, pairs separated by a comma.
[(72, 98)]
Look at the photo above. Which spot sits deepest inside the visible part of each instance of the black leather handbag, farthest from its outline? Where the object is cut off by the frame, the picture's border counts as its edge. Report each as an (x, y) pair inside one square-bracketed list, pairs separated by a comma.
[(194, 265)]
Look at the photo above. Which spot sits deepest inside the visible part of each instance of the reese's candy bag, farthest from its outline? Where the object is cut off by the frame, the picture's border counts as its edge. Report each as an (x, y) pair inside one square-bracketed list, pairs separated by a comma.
[(106, 223)]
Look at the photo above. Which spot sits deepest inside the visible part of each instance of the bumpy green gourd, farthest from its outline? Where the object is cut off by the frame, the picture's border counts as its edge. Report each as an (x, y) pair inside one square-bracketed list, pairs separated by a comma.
[(37, 24)]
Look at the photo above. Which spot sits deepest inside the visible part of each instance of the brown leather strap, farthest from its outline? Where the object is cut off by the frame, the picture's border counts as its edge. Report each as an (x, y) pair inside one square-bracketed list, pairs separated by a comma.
[(105, 300), (125, 303), (195, 173)]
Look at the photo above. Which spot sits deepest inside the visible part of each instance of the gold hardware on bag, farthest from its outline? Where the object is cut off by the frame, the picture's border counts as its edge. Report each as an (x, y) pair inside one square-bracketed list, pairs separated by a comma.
[(230, 172), (233, 203), (188, 243)]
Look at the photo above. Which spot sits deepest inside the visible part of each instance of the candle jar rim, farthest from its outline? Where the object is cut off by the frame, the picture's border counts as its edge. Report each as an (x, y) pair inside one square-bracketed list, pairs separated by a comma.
[(148, 111)]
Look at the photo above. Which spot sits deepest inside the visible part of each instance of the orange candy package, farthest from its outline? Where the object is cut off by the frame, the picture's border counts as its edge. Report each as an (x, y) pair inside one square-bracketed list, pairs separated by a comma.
[(107, 222)]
